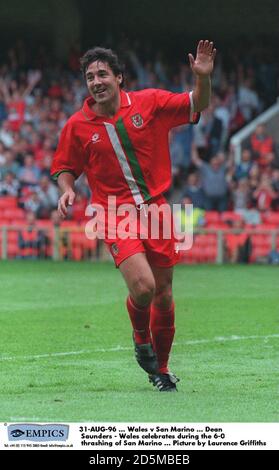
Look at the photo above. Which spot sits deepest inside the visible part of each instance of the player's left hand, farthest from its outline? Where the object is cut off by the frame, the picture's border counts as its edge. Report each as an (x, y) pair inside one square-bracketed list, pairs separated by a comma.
[(203, 64)]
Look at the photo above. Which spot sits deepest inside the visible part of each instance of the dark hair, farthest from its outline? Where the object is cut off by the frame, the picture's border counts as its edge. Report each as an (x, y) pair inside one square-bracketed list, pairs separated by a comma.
[(104, 55)]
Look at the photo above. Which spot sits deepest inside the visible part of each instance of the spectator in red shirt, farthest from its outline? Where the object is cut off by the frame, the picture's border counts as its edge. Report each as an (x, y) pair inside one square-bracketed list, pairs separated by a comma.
[(14, 97), (55, 90), (264, 194), (237, 245), (275, 187), (45, 151), (31, 241), (262, 146)]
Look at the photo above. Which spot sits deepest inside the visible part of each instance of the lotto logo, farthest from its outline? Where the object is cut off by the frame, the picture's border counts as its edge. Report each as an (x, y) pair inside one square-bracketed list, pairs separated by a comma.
[(95, 138)]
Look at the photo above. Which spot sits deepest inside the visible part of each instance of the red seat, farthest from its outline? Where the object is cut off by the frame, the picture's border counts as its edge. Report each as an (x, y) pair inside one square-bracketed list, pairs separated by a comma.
[(218, 226), (205, 239), (211, 216), (13, 249), (17, 223), (230, 216), (271, 218), (199, 240), (69, 224), (44, 223), (211, 253), (199, 253), (13, 236), (261, 240), (258, 252), (212, 238), (4, 221), (7, 202), (14, 213), (266, 227)]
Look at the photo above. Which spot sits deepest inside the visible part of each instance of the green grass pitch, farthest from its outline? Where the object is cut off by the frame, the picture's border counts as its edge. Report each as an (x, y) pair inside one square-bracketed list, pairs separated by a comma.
[(66, 350)]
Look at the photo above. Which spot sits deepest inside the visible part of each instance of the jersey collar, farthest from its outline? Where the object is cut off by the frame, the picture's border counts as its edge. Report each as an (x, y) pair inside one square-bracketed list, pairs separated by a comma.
[(87, 105)]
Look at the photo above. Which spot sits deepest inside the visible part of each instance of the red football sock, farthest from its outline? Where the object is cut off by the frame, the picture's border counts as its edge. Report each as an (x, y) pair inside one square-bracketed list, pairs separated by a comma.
[(162, 329), (140, 317)]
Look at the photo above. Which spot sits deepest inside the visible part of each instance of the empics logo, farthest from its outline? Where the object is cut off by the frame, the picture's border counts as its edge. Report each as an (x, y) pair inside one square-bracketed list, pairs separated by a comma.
[(17, 433), (38, 432)]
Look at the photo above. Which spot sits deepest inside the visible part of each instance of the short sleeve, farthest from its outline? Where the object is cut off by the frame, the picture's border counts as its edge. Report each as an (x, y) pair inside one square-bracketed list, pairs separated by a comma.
[(70, 154), (175, 109)]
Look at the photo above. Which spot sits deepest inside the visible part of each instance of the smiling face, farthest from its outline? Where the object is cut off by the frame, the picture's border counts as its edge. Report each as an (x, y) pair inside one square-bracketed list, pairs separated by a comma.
[(102, 84)]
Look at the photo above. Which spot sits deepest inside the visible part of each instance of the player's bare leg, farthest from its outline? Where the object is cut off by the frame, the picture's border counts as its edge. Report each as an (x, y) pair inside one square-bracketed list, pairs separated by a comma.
[(141, 284), (162, 327), (139, 279)]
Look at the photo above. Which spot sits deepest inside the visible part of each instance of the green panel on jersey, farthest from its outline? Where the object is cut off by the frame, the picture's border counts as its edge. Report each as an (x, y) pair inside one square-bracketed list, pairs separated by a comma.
[(132, 158), (55, 175)]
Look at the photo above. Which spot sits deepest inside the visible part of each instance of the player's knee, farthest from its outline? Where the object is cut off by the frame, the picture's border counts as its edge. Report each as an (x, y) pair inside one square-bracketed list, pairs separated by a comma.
[(144, 291), (163, 298)]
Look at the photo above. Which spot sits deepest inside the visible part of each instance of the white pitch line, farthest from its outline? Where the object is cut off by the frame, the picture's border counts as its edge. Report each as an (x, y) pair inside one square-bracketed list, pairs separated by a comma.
[(217, 339), (221, 339)]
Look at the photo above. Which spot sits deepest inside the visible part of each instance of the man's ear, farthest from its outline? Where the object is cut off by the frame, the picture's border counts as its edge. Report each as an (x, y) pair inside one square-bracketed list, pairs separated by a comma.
[(119, 79)]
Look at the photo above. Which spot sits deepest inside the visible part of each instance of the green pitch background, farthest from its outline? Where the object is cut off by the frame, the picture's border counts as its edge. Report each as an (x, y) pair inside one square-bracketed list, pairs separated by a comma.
[(66, 351)]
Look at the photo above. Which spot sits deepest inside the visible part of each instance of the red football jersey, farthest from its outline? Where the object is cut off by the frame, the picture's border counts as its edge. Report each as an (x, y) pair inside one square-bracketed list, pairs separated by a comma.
[(126, 156), (16, 110)]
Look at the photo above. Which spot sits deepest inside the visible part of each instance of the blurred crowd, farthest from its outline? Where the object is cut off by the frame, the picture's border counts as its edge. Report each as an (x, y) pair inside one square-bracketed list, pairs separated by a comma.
[(38, 94)]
